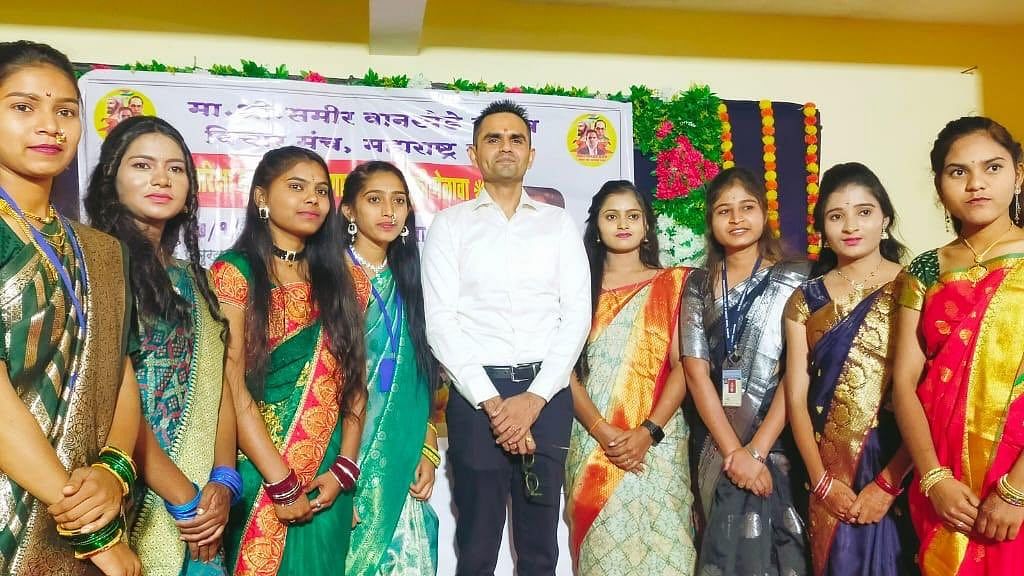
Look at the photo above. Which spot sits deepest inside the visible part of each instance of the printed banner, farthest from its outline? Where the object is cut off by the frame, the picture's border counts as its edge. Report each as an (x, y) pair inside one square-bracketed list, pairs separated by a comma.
[(229, 123)]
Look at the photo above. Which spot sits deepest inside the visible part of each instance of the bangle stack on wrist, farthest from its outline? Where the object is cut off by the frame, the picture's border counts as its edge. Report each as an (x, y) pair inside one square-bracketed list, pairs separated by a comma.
[(284, 492), (186, 511), (823, 487), (89, 545), (932, 477), (229, 477), (431, 453), (1008, 493), (120, 464), (886, 486), (346, 472)]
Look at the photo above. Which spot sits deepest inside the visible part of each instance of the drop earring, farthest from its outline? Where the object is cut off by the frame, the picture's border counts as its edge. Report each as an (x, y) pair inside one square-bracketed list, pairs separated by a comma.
[(263, 212), (404, 233), (352, 231)]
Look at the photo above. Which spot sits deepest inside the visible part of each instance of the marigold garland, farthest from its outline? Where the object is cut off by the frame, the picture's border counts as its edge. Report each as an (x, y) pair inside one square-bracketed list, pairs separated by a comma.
[(811, 140), (728, 161), (771, 176)]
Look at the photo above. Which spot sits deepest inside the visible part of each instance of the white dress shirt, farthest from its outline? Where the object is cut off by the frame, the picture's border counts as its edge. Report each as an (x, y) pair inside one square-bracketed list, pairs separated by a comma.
[(504, 291)]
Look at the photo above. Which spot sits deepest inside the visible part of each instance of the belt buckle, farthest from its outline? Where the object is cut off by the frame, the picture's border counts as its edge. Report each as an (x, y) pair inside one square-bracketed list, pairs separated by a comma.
[(524, 367)]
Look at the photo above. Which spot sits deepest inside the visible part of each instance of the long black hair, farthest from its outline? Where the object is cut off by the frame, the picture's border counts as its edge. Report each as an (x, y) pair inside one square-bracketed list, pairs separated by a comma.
[(855, 174), (597, 252), (151, 285), (404, 261), (331, 284), (957, 129), (768, 245)]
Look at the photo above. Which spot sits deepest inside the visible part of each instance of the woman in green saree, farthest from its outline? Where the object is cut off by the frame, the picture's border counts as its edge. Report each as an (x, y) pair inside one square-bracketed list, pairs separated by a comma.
[(68, 397), (144, 192), (296, 368), (398, 534)]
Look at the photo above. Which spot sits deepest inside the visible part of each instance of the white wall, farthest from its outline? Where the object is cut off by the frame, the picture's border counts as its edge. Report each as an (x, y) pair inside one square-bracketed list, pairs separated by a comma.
[(883, 116)]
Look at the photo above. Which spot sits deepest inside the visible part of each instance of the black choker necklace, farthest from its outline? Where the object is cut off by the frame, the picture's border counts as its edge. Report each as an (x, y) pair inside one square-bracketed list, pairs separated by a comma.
[(287, 255)]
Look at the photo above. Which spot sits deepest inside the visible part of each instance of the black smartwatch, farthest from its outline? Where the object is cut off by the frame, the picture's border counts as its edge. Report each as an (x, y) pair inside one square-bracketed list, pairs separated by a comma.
[(657, 434)]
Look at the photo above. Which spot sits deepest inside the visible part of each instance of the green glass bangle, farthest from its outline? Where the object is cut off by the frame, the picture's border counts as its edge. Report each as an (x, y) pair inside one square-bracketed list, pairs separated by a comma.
[(120, 464), (86, 545)]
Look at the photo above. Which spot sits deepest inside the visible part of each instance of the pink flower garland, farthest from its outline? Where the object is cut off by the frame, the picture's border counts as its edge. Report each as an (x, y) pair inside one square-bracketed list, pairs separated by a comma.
[(681, 169)]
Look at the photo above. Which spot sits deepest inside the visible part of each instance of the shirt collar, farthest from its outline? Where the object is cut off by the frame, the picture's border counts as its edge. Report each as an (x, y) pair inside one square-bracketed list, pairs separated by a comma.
[(484, 199)]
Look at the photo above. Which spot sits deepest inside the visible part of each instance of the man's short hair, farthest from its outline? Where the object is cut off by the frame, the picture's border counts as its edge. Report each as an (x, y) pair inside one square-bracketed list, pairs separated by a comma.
[(502, 107)]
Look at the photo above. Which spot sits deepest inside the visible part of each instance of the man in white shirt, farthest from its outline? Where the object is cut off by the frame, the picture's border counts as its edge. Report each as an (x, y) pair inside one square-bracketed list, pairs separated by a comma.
[(507, 298)]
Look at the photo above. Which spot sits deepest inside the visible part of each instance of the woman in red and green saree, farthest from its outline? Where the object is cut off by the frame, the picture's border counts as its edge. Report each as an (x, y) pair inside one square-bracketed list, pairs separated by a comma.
[(838, 369), (958, 360), (144, 192), (69, 402), (397, 534), (296, 368), (627, 471)]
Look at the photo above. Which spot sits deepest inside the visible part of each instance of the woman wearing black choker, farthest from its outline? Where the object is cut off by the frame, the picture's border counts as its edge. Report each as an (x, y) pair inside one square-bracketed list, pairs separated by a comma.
[(296, 367)]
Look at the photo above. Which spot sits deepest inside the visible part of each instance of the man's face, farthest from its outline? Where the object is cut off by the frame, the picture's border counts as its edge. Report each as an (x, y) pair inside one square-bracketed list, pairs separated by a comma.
[(502, 149)]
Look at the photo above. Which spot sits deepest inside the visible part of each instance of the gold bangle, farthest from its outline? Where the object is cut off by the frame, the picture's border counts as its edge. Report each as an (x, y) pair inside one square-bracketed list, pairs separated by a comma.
[(1008, 493), (932, 477), (594, 425), (432, 455), (432, 427)]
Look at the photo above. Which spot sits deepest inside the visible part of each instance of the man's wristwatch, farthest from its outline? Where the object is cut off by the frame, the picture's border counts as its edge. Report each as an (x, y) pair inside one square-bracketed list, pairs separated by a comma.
[(657, 434)]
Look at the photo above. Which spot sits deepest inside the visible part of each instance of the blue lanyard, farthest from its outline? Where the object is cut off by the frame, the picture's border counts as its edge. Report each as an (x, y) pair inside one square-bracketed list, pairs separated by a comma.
[(730, 323), (387, 372), (58, 264)]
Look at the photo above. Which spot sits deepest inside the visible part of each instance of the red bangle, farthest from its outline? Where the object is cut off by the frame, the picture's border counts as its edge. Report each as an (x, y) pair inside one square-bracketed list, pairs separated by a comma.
[(887, 487), (284, 492), (346, 472), (823, 487)]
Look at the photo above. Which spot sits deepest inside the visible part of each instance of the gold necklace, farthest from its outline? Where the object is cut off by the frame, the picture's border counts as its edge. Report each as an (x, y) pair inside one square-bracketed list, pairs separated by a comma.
[(858, 287), (979, 270), (50, 215), (6, 208)]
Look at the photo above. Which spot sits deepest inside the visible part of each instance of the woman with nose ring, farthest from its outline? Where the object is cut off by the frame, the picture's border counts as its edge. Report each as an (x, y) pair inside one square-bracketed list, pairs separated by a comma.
[(397, 533)]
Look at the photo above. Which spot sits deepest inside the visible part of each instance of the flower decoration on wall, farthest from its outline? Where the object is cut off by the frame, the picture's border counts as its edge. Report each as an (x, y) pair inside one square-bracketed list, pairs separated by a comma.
[(813, 167), (771, 175)]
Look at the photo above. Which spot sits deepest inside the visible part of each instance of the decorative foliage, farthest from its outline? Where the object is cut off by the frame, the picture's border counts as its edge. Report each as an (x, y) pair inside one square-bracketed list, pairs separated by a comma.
[(811, 140), (678, 245), (771, 175)]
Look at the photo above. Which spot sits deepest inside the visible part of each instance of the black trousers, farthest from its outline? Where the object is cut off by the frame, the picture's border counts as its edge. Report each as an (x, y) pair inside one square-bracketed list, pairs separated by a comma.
[(486, 477)]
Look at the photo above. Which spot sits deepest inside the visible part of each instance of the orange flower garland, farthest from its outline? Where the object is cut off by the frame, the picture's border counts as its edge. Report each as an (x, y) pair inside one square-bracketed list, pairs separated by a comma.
[(771, 177), (727, 158), (811, 139)]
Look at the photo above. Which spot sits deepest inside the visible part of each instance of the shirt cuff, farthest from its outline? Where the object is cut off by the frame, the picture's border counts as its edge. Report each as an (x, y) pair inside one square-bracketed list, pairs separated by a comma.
[(476, 386)]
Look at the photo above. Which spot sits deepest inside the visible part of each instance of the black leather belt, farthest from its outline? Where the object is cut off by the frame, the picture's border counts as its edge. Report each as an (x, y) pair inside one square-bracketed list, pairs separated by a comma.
[(517, 373)]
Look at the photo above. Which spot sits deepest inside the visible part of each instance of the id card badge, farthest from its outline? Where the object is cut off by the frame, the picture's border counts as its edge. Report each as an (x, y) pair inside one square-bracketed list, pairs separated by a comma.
[(732, 388)]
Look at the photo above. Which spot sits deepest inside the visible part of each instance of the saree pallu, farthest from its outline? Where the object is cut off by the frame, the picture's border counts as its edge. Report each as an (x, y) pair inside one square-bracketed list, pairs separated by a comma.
[(971, 394), (42, 348), (849, 402), (398, 534), (180, 369), (619, 523), (744, 534), (301, 412)]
